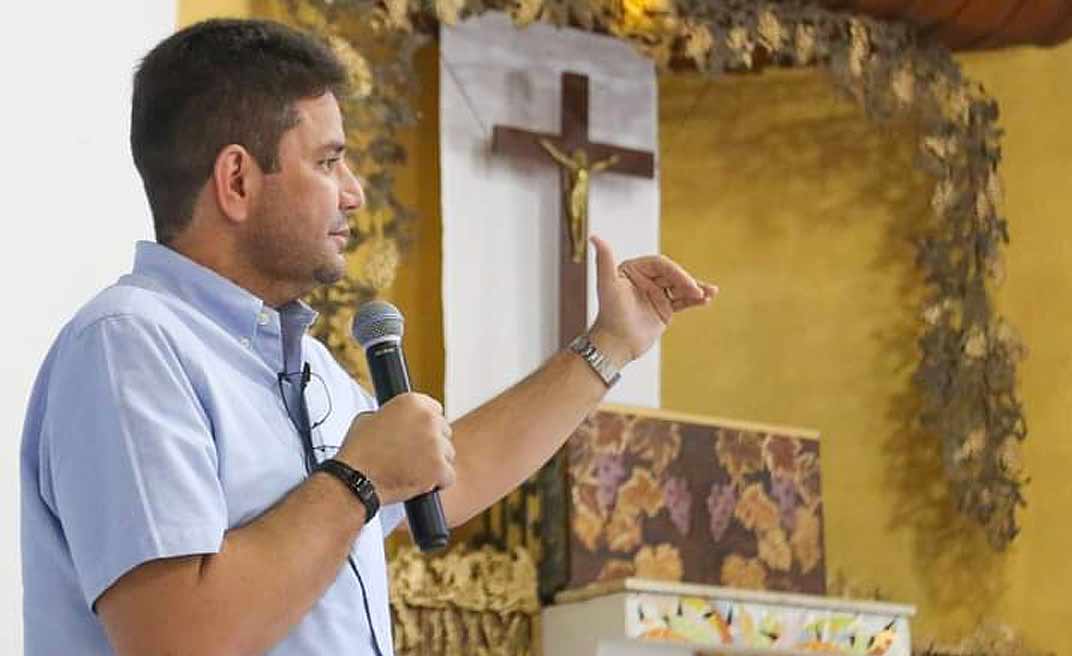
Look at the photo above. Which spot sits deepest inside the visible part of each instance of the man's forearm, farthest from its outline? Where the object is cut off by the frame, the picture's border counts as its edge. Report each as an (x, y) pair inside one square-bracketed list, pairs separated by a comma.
[(504, 441), (247, 597)]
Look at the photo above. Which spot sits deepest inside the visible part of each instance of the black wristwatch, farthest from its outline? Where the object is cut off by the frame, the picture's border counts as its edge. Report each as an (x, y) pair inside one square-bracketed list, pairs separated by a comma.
[(358, 483)]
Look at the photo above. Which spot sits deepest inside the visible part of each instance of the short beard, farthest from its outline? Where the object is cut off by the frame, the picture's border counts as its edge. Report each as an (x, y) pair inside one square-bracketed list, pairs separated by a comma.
[(265, 251), (327, 275)]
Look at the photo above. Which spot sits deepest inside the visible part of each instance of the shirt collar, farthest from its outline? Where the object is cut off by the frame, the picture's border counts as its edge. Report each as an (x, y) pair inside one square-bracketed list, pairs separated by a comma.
[(234, 308)]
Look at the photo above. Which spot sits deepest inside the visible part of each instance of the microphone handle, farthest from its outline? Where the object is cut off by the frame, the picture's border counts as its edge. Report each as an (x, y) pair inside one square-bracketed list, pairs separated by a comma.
[(390, 377)]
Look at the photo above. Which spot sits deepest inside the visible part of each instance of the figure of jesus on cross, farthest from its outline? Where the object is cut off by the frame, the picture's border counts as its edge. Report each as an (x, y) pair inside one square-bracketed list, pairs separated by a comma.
[(579, 172), (579, 159)]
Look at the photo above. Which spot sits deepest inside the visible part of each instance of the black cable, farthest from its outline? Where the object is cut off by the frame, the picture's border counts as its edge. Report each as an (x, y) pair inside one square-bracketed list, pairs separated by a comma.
[(305, 432)]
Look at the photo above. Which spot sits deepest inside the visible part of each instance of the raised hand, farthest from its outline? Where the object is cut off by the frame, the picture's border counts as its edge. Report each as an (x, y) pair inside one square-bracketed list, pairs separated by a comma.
[(638, 298)]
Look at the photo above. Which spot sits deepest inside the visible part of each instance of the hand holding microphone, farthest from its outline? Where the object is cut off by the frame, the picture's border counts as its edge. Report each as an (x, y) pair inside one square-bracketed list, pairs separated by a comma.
[(404, 448)]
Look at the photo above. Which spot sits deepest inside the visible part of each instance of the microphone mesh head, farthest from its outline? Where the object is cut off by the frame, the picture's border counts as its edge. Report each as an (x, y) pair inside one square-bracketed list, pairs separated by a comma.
[(376, 320)]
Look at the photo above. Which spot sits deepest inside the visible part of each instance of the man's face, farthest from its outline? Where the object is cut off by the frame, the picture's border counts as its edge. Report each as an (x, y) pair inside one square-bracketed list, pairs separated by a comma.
[(299, 226)]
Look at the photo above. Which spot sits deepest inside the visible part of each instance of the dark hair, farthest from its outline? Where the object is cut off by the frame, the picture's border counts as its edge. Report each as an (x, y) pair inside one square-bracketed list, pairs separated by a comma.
[(217, 83)]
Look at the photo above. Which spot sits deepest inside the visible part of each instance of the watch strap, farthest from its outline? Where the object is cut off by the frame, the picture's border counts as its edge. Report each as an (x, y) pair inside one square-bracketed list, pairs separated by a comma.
[(356, 482), (605, 368)]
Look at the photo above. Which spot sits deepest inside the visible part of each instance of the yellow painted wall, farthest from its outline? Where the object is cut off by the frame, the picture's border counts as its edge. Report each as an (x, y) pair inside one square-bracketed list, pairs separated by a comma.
[(418, 290), (1036, 103), (779, 190), (191, 11)]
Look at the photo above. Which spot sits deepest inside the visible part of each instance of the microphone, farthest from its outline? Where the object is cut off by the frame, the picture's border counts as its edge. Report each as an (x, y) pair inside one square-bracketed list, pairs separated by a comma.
[(378, 328)]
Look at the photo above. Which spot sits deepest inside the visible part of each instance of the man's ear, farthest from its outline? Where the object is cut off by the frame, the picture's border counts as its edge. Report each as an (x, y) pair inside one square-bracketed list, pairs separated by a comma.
[(236, 180)]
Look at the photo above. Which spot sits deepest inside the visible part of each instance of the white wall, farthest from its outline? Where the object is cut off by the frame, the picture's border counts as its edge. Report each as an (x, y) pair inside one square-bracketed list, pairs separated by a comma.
[(503, 214), (71, 202)]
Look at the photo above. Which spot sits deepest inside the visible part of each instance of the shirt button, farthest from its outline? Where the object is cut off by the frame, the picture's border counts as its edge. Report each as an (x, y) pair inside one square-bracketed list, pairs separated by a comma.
[(245, 342), (262, 318)]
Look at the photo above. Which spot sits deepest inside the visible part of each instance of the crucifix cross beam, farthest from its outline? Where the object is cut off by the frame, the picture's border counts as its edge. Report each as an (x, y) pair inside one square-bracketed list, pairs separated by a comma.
[(579, 160)]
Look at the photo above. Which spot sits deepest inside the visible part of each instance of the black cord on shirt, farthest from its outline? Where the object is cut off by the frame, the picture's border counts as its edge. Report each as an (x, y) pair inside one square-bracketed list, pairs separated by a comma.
[(305, 433)]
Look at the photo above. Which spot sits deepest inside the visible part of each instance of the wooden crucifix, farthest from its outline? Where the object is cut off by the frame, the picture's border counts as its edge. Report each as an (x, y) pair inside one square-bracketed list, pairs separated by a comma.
[(579, 160)]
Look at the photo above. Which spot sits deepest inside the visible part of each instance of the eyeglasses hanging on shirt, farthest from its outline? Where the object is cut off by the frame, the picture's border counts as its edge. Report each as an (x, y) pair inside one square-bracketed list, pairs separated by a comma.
[(299, 415), (305, 430)]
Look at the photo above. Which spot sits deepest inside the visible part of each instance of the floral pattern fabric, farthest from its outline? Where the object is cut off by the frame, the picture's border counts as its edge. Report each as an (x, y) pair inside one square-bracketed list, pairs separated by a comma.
[(700, 502)]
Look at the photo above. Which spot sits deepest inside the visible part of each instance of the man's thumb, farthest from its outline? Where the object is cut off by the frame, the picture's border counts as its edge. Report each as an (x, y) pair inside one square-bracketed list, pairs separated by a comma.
[(606, 265)]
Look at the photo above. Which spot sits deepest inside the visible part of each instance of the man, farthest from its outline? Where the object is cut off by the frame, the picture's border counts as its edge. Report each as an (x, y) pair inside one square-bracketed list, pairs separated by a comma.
[(170, 502)]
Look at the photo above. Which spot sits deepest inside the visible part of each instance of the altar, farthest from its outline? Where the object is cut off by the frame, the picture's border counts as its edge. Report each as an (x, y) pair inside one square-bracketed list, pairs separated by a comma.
[(680, 534), (726, 555)]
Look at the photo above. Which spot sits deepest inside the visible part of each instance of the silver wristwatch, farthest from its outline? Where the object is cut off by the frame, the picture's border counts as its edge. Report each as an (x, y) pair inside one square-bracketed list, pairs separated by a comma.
[(599, 361)]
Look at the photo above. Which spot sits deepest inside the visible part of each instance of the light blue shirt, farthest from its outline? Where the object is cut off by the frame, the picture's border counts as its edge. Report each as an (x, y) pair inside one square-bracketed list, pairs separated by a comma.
[(155, 425)]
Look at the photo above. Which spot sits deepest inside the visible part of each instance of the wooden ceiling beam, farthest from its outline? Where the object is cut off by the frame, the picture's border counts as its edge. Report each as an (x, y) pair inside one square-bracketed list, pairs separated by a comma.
[(1063, 30), (932, 14), (1034, 17), (976, 24)]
